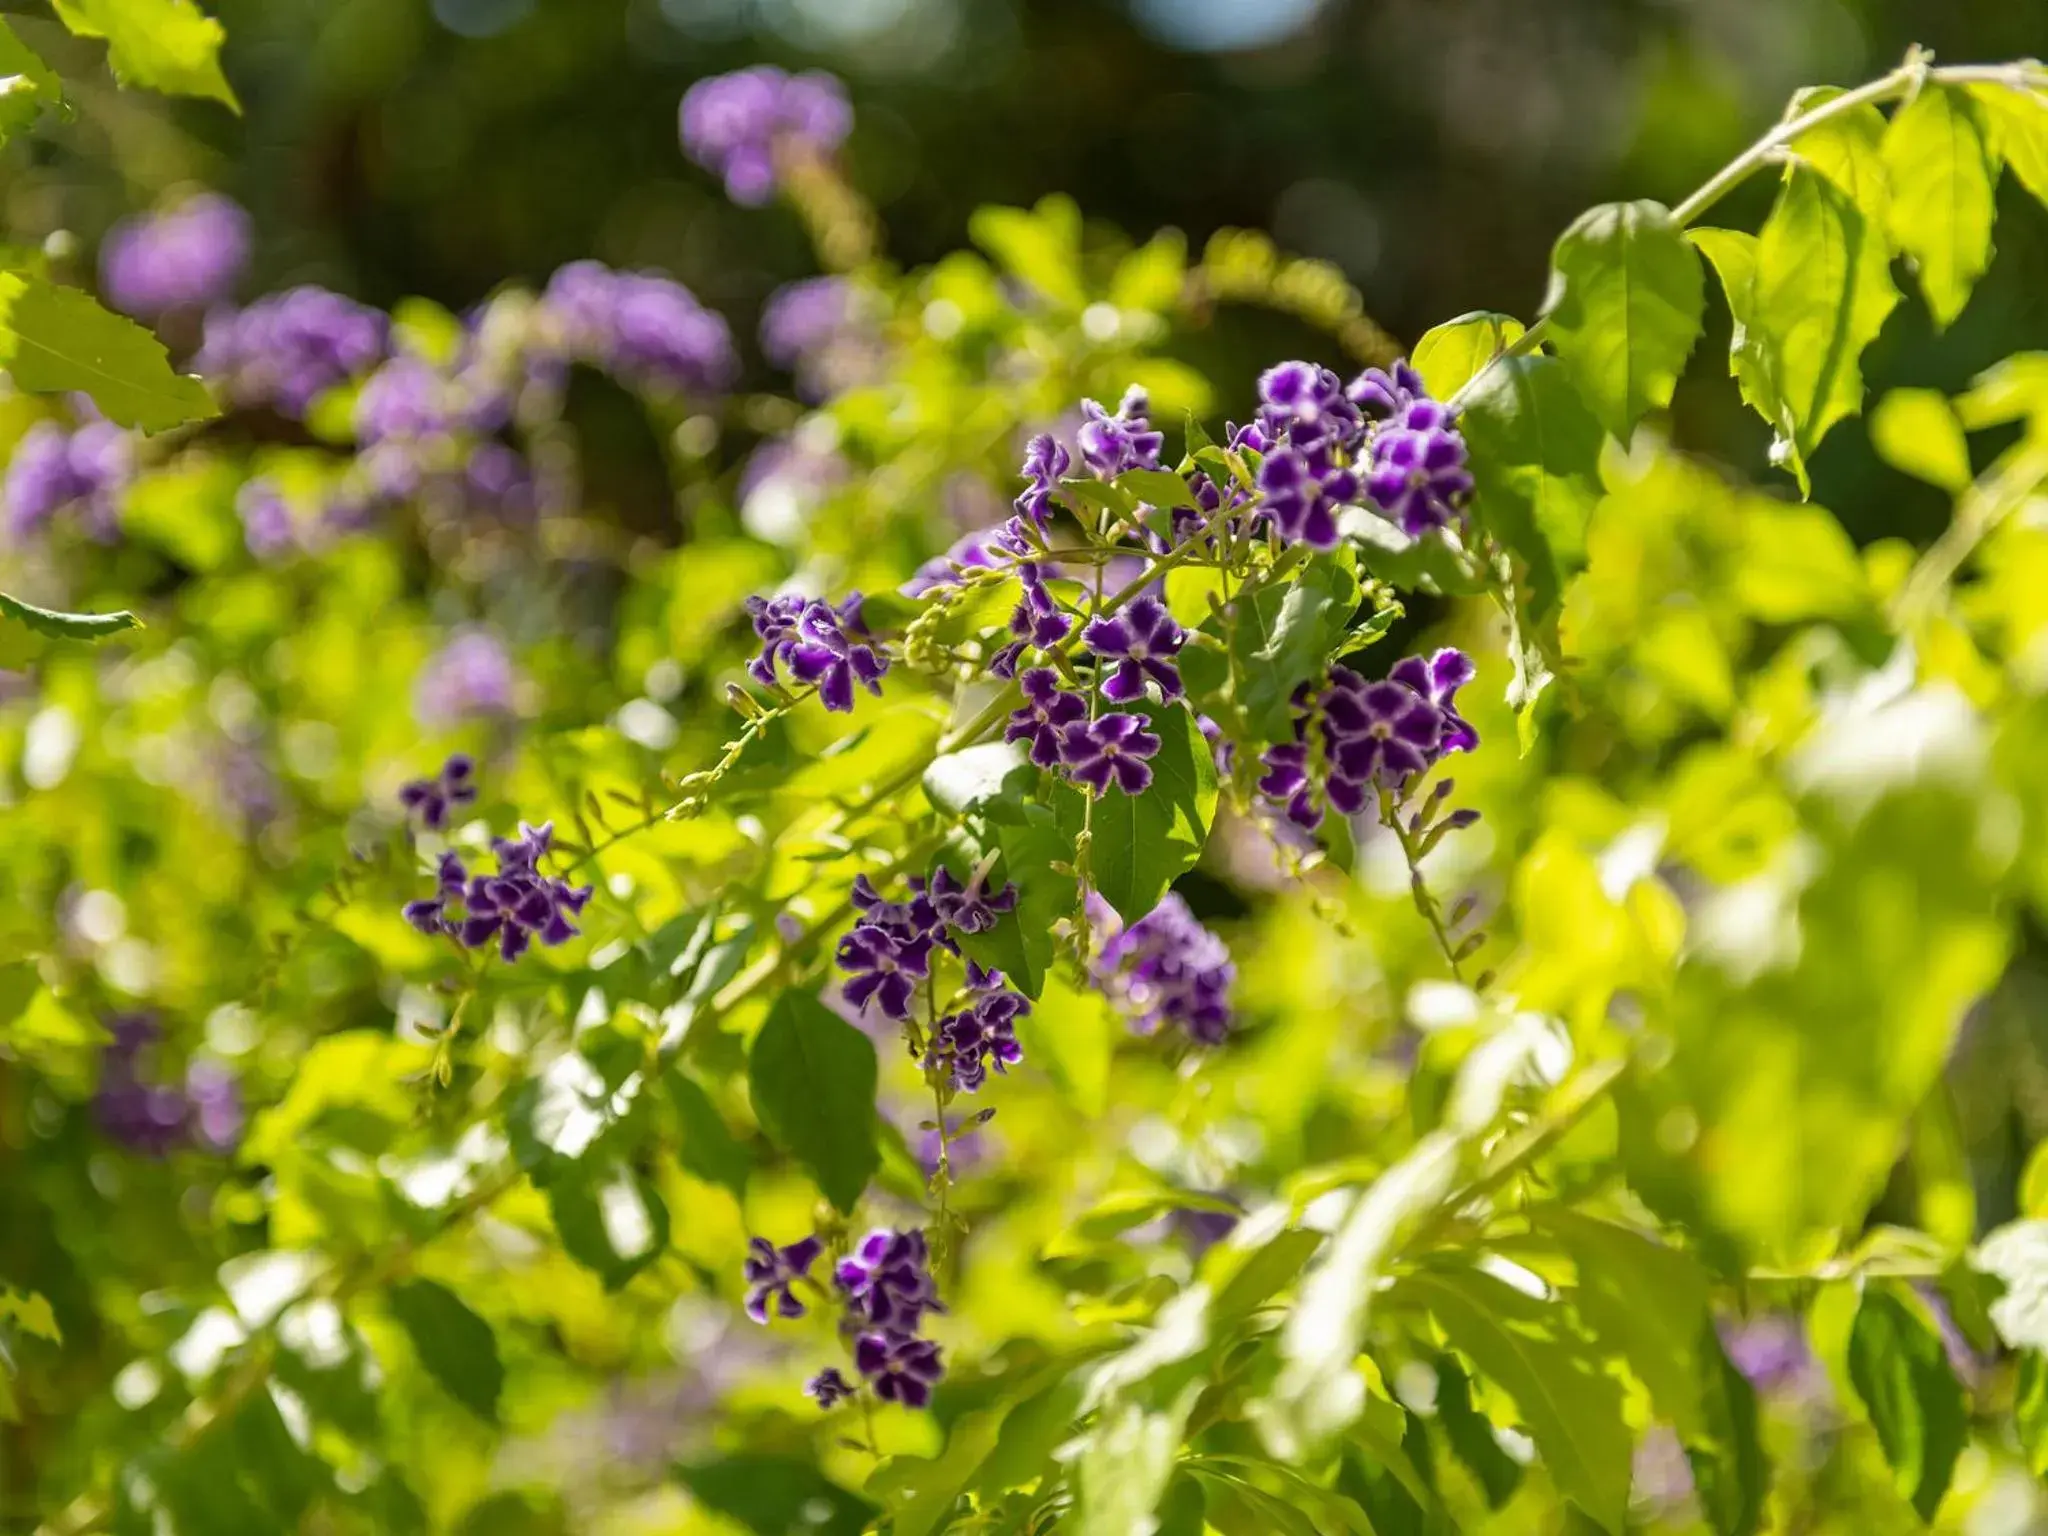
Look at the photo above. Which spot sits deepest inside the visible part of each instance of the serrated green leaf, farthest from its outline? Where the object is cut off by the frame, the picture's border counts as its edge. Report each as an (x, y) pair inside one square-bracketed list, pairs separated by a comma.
[(1848, 149), (161, 45), (67, 626), (1471, 1437), (1535, 463), (2018, 122), (1143, 843), (456, 1347), (1625, 305), (1569, 1407), (1899, 1370), (1450, 356), (29, 84), (1943, 179), (812, 1078), (54, 340)]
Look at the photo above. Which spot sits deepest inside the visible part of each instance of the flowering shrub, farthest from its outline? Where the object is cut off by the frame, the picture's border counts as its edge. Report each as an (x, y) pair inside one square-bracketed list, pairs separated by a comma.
[(1387, 967)]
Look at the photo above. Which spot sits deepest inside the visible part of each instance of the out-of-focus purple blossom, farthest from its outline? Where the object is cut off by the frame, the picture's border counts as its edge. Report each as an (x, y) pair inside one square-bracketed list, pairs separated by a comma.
[(471, 675), (1112, 443), (285, 350), (514, 907), (216, 1098), (771, 1272), (816, 643), (1165, 970), (1143, 638), (745, 127), (53, 470), (497, 481), (1201, 1230), (784, 482), (1047, 711), (409, 399), (267, 524), (1772, 1351), (1659, 1470), (137, 1108), (972, 551), (816, 328), (432, 800), (186, 258), (829, 1388), (645, 329), (1110, 749)]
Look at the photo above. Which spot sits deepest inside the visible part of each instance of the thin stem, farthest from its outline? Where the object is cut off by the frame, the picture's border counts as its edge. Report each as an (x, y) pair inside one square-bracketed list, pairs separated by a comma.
[(1983, 507), (1425, 903)]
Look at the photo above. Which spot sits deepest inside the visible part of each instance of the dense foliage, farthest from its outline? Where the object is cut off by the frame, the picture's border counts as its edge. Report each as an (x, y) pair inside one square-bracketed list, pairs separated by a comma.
[(1031, 959)]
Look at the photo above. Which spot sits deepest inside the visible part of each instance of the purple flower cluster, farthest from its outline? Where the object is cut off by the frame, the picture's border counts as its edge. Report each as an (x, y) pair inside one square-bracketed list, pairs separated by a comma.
[(747, 126), (815, 328), (186, 258), (53, 469), (1324, 446), (155, 1117), (887, 955), (1164, 970), (469, 676), (966, 1043), (1369, 735), (1114, 748), (887, 1289), (286, 350), (815, 642), (409, 399), (514, 906), (268, 527), (644, 329), (432, 800), (1110, 442)]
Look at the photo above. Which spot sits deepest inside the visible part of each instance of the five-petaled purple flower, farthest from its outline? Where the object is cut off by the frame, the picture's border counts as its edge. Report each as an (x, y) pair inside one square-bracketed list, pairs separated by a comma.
[(514, 906), (1047, 711), (432, 799), (1112, 443), (1113, 748), (771, 1272), (747, 125), (1144, 638), (816, 643), (903, 1368), (887, 1280)]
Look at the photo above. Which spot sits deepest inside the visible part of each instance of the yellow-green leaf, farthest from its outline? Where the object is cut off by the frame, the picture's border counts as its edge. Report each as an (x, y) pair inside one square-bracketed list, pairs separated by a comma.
[(1916, 432), (27, 84), (2018, 121), (54, 340), (161, 45), (1943, 174), (1450, 357)]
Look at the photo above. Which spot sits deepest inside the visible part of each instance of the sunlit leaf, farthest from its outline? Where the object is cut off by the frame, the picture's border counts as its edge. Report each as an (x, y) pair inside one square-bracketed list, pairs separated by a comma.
[(160, 45), (54, 340), (1903, 1377), (1943, 176), (812, 1078)]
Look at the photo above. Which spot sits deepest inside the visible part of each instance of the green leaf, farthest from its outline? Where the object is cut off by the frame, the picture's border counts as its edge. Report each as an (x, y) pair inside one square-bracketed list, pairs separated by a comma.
[(30, 1312), (1041, 247), (611, 1220), (1160, 488), (1072, 1032), (812, 1078), (30, 84), (1569, 1407), (1625, 305), (1471, 1437), (1917, 433), (992, 780), (161, 45), (1283, 635), (456, 1346), (1535, 462), (1807, 296), (67, 626), (54, 340), (1943, 180), (1032, 1431), (1143, 843), (776, 1496), (1848, 149), (922, 1491), (2018, 122), (1450, 356), (1729, 1471), (709, 1150), (1317, 1395), (1899, 1370), (1021, 943), (1126, 1463), (2030, 1410)]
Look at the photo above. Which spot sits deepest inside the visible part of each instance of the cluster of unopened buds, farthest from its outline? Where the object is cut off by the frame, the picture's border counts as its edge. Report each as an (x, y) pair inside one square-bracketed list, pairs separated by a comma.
[(885, 1289)]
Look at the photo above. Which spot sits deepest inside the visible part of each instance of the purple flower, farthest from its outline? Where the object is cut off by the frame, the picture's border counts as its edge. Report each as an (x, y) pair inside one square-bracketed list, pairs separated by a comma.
[(1418, 477), (816, 643), (188, 257), (285, 350), (965, 1044), (645, 329), (52, 470), (771, 1272), (829, 1388), (514, 906), (408, 399), (1145, 638), (883, 968), (903, 1369), (1110, 748), (1378, 733), (267, 526), (432, 799), (972, 551), (1287, 780), (1438, 679), (1383, 394), (1046, 462), (471, 675), (967, 907), (746, 126), (497, 481), (215, 1095), (1048, 710), (1111, 444), (804, 317), (1166, 969), (1037, 621), (887, 1281), (1302, 492)]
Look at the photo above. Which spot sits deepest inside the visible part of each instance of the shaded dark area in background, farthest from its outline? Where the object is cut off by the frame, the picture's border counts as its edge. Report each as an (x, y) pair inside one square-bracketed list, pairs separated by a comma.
[(1431, 148)]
